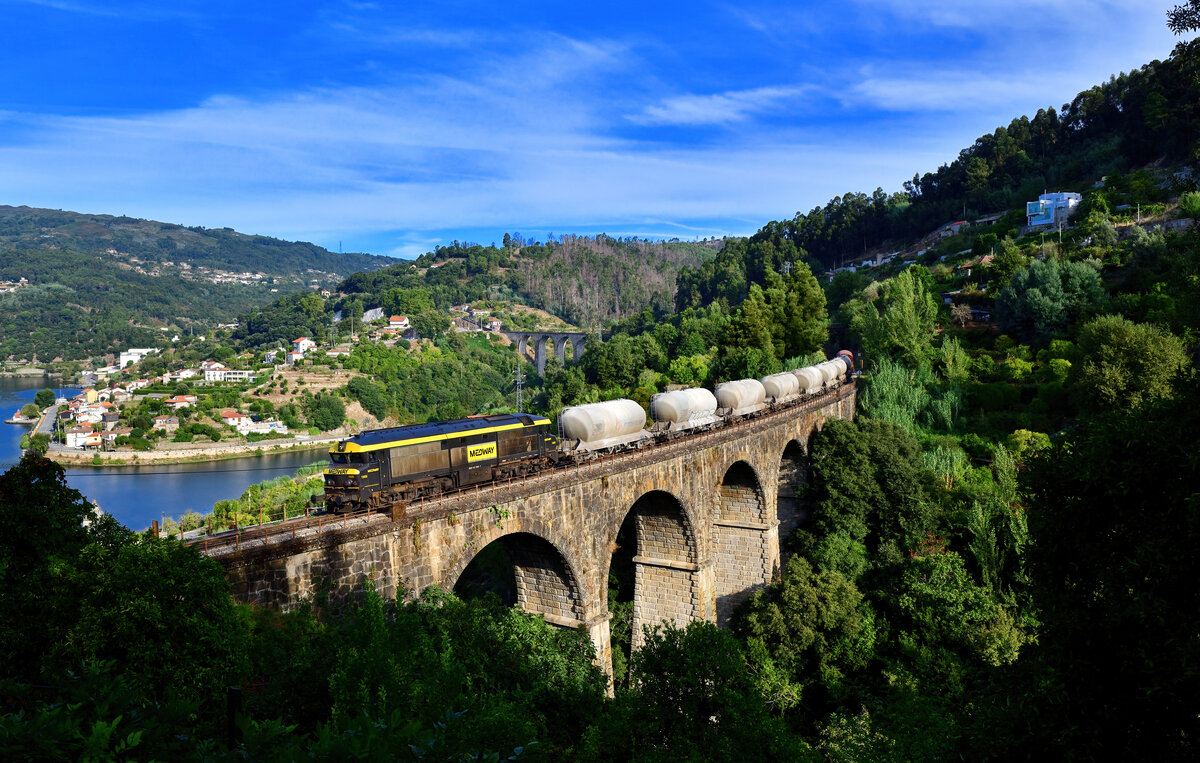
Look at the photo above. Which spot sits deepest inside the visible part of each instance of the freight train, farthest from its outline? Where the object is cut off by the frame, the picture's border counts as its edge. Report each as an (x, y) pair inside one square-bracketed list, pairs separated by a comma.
[(381, 467)]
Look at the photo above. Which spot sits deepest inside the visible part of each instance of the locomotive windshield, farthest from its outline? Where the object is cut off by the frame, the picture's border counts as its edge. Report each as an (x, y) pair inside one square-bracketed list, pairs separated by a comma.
[(338, 458)]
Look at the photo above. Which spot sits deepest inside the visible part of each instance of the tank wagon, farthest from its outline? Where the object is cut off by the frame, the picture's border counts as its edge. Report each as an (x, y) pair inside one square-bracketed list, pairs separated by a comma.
[(742, 397), (380, 467), (682, 410), (603, 427)]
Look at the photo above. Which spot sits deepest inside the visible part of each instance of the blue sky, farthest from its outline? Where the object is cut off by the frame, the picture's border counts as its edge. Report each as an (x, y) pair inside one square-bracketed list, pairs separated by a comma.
[(393, 127)]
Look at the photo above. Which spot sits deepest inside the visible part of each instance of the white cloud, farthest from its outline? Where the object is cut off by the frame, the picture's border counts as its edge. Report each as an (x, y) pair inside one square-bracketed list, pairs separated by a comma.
[(943, 91), (989, 14), (718, 108)]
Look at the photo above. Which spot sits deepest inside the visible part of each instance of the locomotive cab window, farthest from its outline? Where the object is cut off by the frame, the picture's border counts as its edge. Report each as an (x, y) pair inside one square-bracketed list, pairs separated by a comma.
[(339, 458)]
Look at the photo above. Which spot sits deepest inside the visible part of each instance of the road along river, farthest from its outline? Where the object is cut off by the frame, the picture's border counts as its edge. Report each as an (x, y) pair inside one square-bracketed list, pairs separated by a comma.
[(136, 495)]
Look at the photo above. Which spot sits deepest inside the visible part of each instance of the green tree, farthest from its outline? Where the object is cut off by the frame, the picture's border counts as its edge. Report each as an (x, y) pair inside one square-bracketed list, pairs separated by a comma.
[(1184, 17), (325, 411), (1189, 204), (691, 697), (805, 324), (1043, 298), (900, 323), (1008, 260), (430, 324), (814, 624), (869, 494), (945, 608), (749, 350), (163, 612), (42, 532), (44, 398), (372, 396), (1124, 365)]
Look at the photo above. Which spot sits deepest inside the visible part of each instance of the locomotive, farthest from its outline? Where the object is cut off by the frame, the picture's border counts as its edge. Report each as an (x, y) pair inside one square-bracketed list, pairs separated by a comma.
[(375, 468), (379, 467)]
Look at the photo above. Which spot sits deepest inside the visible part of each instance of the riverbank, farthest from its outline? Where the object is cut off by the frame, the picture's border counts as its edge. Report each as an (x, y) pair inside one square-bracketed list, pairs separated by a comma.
[(186, 455), (22, 371)]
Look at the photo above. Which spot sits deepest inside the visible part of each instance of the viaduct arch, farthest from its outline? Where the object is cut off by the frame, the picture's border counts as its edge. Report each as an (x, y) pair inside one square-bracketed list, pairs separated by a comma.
[(555, 341), (708, 511)]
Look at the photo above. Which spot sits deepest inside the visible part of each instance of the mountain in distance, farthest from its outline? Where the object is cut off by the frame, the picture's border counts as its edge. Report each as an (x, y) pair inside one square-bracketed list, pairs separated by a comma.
[(96, 283)]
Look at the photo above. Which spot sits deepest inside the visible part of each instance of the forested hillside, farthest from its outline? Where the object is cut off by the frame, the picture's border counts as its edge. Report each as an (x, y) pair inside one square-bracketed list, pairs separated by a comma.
[(1151, 114), (584, 281), (154, 243), (98, 283)]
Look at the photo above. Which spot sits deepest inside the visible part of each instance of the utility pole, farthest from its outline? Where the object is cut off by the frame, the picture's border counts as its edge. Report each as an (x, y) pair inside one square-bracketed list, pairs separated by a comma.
[(519, 382)]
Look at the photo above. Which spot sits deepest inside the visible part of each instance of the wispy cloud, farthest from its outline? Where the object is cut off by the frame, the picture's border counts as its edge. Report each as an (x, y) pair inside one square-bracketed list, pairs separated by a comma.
[(1005, 13), (935, 90), (717, 108), (70, 7)]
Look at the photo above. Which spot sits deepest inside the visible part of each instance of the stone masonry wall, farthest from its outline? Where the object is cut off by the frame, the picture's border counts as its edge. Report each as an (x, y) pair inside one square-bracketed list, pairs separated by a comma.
[(544, 585)]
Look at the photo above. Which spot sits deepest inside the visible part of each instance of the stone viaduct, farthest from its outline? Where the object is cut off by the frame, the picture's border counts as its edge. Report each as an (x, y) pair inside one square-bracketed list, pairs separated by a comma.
[(705, 513), (555, 340)]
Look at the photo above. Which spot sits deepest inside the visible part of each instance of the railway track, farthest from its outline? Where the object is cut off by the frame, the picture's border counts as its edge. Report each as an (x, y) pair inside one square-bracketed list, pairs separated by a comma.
[(315, 525)]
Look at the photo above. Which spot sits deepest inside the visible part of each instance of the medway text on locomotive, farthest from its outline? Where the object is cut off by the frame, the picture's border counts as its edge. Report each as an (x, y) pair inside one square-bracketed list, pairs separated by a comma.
[(382, 467)]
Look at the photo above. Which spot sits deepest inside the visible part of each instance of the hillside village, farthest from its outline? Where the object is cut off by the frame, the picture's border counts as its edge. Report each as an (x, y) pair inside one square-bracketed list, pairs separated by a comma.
[(121, 410)]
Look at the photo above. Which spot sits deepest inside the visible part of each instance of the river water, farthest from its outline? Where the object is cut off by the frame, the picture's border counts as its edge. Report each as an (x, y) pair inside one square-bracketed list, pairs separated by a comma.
[(136, 495)]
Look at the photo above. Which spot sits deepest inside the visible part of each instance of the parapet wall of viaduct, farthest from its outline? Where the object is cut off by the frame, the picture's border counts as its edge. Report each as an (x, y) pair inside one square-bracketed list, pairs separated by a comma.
[(705, 510)]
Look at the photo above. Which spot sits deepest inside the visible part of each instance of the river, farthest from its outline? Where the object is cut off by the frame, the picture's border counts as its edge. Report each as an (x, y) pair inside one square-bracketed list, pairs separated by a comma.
[(137, 495)]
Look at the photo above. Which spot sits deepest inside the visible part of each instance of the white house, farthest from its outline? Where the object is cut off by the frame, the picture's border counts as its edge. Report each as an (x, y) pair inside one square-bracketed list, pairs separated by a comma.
[(1052, 208), (135, 355), (233, 418), (77, 437), (180, 401), (228, 375), (398, 322), (262, 427), (303, 345)]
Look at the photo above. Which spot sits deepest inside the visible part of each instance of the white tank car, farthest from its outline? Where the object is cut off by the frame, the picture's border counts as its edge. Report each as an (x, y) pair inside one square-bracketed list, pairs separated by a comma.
[(780, 388), (829, 371), (684, 409), (810, 379), (742, 396), (599, 426)]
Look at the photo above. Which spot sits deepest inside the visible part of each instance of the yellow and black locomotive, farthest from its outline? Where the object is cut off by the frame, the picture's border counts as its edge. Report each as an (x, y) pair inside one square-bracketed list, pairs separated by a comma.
[(376, 468)]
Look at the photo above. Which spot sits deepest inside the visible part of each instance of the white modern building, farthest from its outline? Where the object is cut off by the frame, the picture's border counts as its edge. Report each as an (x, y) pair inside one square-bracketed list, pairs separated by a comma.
[(1052, 208), (135, 355)]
